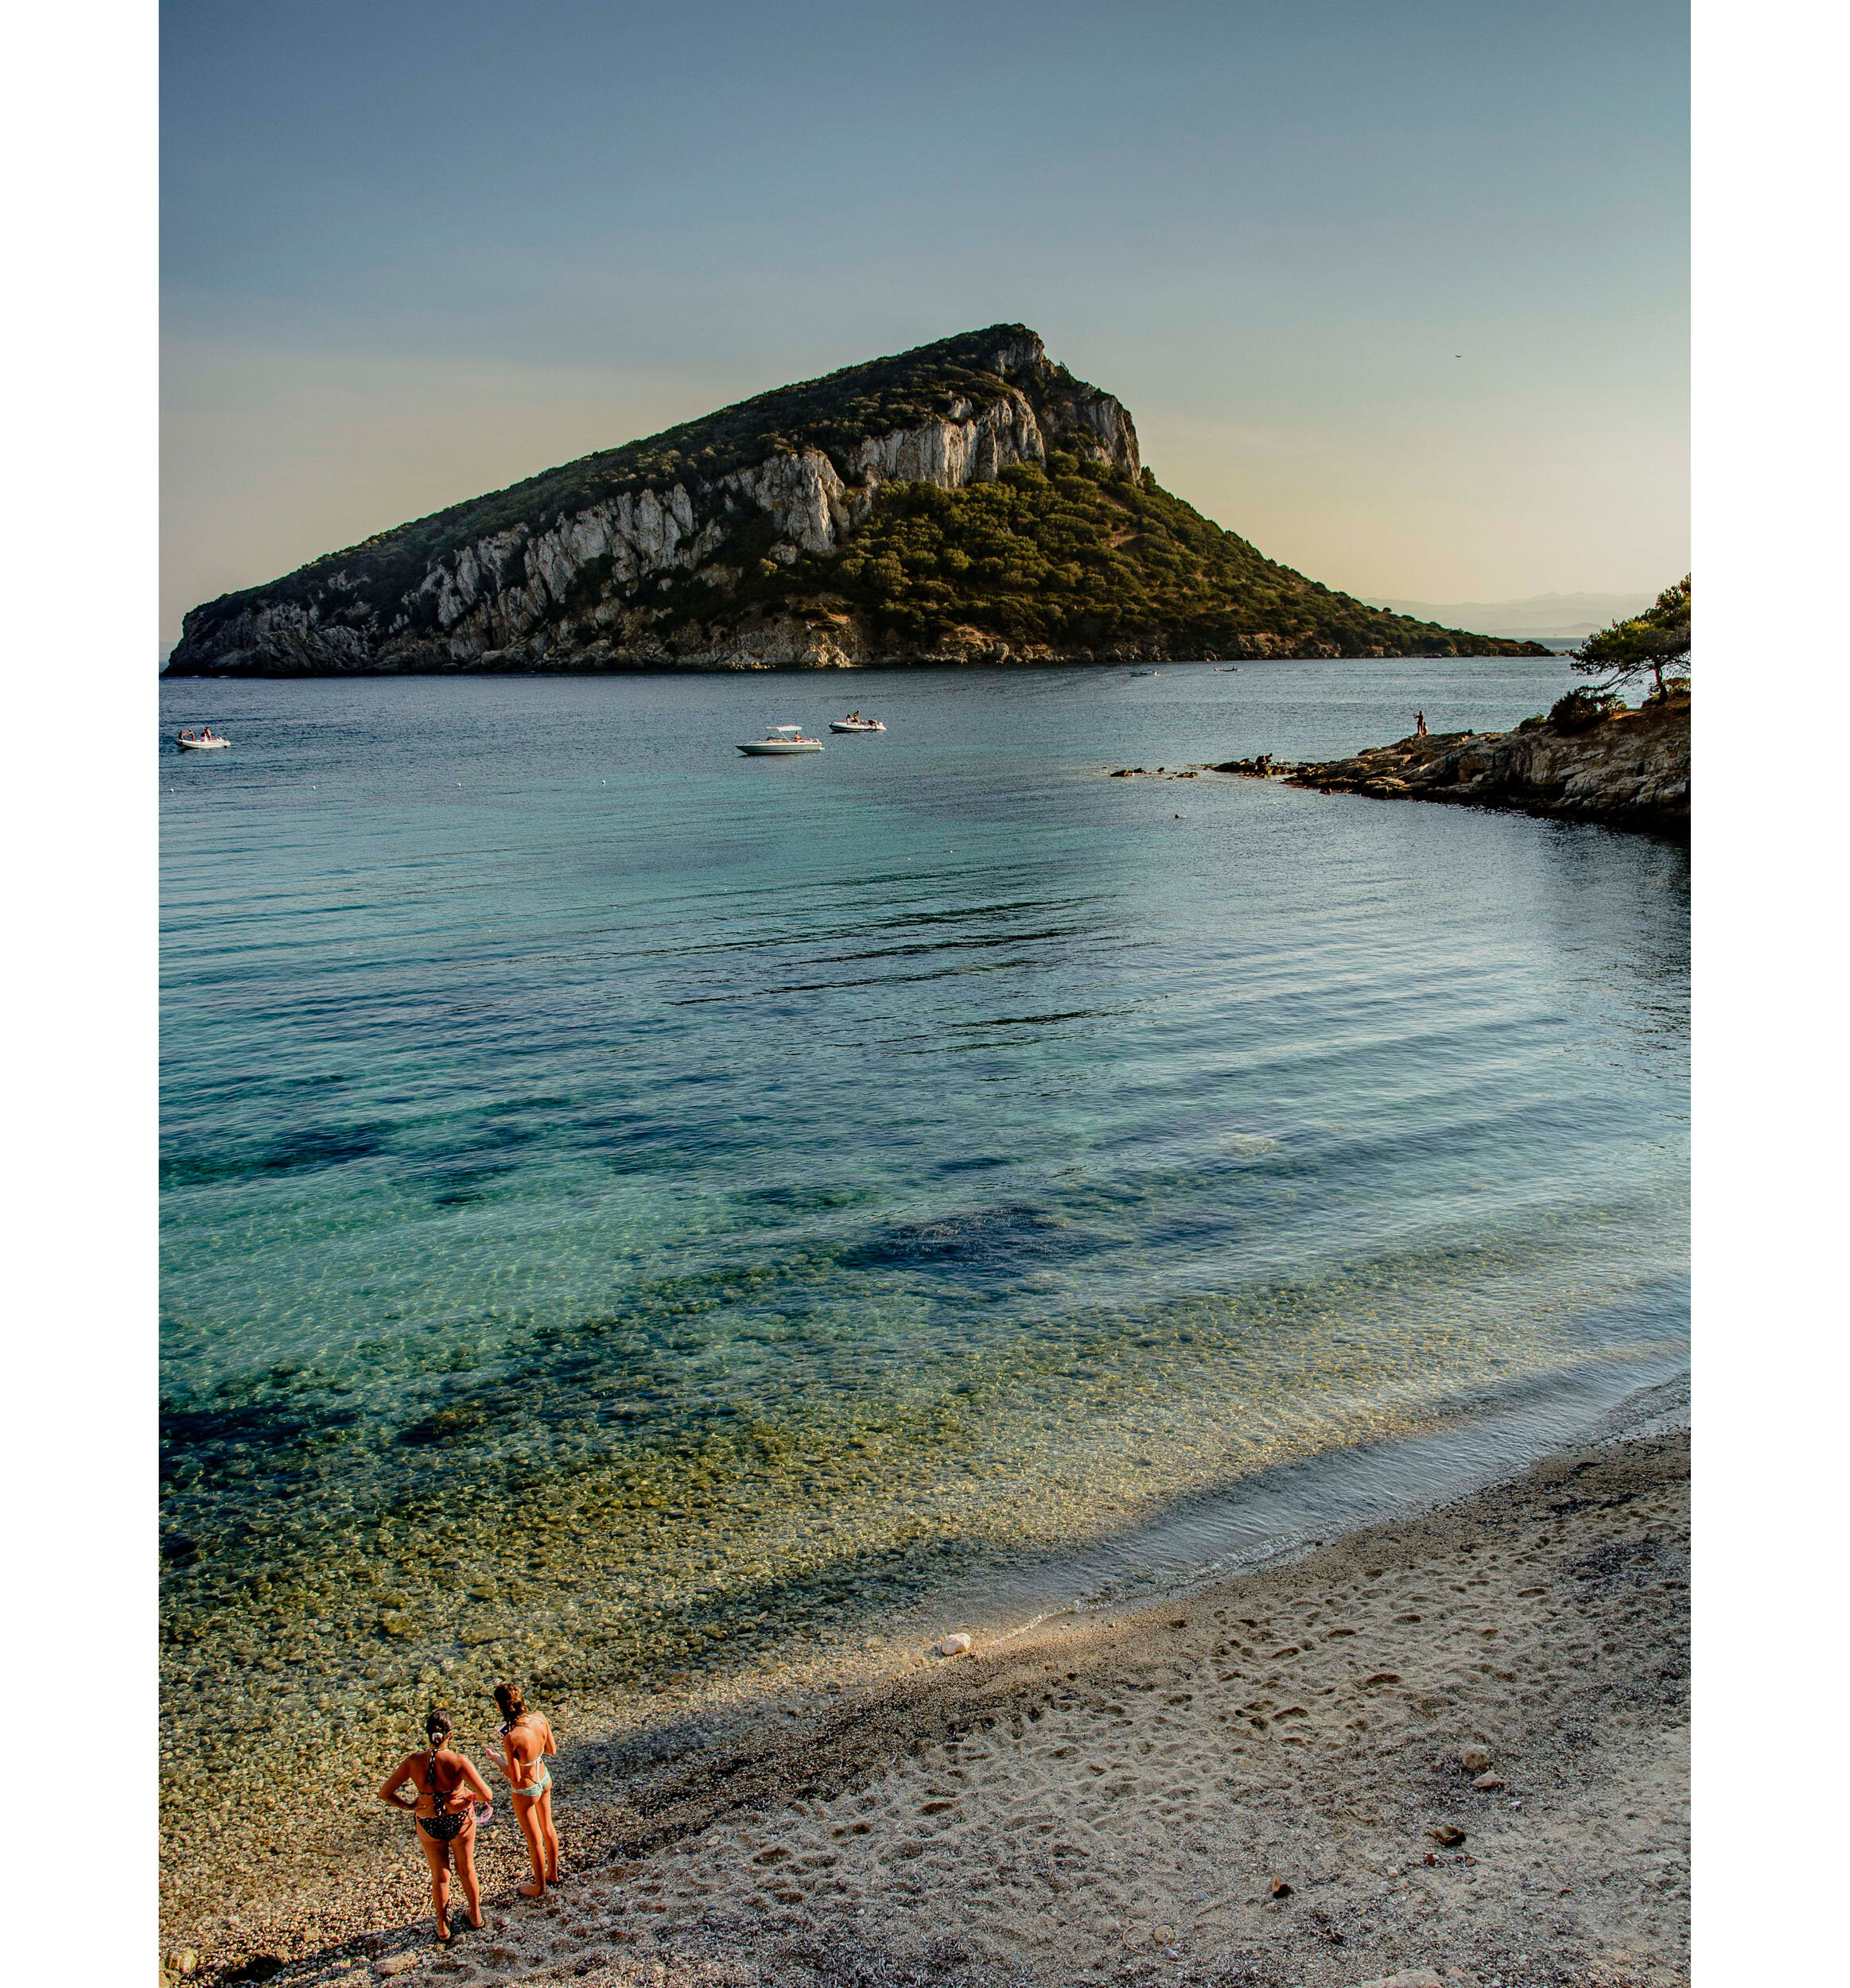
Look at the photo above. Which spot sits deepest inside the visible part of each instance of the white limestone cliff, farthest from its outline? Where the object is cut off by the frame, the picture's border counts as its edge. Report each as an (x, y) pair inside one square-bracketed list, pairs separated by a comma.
[(497, 601)]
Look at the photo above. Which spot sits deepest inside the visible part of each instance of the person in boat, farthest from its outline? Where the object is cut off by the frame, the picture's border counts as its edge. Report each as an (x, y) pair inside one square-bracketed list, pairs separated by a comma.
[(441, 1780), (526, 1739), (187, 733)]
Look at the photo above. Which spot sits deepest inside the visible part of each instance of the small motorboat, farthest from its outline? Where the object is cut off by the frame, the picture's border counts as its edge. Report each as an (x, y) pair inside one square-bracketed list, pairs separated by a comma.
[(205, 741), (783, 738), (1228, 669), (1142, 673), (854, 722)]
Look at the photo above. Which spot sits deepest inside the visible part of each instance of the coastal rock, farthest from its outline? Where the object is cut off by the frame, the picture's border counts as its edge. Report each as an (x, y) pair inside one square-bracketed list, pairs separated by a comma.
[(1631, 772), (1489, 1783), (780, 644), (1473, 1760), (954, 1645), (1449, 1834)]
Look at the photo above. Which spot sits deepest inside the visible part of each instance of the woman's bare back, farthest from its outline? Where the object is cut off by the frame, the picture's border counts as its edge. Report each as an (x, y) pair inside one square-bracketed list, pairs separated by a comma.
[(528, 1740), (454, 1776)]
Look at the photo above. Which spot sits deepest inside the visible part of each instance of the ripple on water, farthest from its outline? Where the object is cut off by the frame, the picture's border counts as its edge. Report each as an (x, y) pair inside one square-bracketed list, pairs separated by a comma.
[(653, 1238)]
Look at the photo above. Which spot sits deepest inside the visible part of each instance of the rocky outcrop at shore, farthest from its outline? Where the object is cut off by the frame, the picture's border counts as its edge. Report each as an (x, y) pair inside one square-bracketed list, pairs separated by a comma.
[(1629, 771), (825, 525)]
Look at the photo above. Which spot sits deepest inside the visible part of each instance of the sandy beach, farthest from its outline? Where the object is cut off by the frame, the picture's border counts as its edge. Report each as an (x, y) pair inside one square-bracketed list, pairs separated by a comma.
[(1456, 1742)]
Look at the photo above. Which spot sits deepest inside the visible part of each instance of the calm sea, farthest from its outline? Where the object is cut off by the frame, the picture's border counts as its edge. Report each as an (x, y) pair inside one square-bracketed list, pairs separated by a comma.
[(637, 1216)]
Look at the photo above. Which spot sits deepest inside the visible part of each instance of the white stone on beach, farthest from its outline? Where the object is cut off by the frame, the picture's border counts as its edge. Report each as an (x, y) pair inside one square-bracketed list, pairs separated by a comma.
[(954, 1645)]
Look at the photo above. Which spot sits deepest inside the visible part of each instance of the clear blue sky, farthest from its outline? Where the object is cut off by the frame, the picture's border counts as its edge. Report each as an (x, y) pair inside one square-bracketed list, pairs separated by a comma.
[(413, 251)]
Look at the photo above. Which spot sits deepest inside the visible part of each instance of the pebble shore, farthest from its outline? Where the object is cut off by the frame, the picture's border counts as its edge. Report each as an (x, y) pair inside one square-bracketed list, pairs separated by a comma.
[(1456, 1743)]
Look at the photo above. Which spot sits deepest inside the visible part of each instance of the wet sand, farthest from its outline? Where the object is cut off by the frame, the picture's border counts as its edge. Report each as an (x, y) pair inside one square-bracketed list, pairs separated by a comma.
[(1115, 1799)]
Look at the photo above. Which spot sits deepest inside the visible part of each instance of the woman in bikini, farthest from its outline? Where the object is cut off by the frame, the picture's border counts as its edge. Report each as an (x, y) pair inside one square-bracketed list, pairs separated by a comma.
[(526, 1739), (442, 1779)]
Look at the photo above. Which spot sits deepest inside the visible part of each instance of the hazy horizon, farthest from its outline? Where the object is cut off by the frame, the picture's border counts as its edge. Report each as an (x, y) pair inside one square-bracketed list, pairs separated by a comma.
[(411, 255)]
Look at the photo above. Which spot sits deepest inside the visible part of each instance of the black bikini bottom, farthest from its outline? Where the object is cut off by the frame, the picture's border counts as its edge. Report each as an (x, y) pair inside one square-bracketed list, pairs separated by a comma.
[(445, 1828)]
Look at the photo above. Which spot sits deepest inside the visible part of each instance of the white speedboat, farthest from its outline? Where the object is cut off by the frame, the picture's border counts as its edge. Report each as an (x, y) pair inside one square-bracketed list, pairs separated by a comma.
[(1142, 673), (854, 722), (783, 738), (205, 741)]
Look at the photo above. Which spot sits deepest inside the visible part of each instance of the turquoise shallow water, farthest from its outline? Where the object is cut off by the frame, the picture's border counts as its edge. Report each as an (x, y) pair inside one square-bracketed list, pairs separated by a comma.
[(632, 1209)]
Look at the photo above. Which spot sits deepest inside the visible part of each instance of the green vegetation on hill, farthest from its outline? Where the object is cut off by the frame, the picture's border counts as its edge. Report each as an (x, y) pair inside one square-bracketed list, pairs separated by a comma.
[(1081, 556)]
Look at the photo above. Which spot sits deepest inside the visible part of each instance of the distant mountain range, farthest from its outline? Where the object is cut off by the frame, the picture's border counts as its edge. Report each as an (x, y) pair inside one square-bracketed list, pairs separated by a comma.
[(1540, 618), (967, 502)]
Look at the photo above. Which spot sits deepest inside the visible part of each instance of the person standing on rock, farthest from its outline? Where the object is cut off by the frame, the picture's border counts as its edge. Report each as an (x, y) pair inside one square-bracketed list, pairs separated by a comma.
[(1419, 724), (526, 1739), (441, 1777)]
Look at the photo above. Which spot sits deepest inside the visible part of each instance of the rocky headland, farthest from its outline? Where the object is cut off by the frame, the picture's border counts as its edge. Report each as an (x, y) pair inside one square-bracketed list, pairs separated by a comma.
[(968, 502), (1629, 771)]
